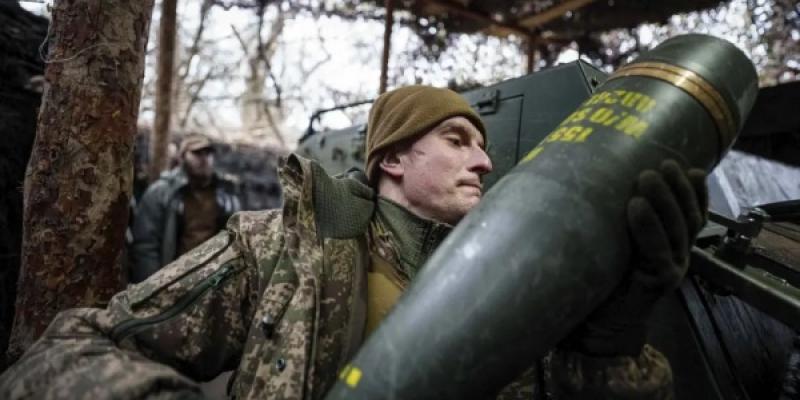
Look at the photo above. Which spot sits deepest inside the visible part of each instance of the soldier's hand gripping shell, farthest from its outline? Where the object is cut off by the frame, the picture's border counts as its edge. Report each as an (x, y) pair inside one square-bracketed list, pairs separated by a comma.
[(665, 215)]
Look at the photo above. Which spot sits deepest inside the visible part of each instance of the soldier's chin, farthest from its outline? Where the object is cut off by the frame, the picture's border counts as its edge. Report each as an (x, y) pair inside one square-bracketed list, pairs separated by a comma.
[(472, 201)]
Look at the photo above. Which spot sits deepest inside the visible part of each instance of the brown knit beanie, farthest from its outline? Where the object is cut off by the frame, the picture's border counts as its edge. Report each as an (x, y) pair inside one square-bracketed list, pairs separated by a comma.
[(410, 111)]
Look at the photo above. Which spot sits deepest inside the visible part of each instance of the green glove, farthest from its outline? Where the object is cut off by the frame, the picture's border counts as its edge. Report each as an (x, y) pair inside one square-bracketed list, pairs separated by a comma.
[(664, 217)]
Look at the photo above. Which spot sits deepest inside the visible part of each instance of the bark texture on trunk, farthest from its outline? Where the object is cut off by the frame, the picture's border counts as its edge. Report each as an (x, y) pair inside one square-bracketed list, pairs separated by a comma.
[(78, 180), (165, 72)]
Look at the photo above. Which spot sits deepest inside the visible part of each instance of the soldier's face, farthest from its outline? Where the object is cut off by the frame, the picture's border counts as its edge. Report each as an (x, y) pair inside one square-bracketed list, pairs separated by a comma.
[(199, 164), (442, 170)]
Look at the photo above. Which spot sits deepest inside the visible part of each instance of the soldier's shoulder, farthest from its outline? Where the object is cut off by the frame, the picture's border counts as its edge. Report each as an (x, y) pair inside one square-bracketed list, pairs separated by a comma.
[(156, 192), (255, 221), (166, 181), (172, 175)]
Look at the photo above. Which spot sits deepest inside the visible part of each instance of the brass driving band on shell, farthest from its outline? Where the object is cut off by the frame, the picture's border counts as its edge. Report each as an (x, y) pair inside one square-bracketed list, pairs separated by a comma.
[(693, 84)]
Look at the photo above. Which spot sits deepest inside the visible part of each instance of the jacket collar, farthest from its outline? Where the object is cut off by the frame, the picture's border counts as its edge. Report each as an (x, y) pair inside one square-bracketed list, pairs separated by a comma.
[(343, 205), (413, 238)]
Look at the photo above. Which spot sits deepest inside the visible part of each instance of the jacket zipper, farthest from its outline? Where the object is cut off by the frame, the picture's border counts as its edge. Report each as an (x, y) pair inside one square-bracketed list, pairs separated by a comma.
[(356, 322), (191, 270), (314, 339), (132, 326)]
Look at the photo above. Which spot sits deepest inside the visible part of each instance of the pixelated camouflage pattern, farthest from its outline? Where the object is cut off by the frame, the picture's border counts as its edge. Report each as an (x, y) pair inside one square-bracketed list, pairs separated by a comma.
[(525, 386), (380, 241), (271, 300), (572, 375)]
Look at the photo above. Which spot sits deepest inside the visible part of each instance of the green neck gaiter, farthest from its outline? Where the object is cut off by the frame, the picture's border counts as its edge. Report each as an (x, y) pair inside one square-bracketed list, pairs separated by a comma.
[(415, 238)]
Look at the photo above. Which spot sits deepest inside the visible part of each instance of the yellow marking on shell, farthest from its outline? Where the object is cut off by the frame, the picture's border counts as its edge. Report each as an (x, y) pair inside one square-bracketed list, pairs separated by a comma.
[(353, 377), (690, 82), (533, 153)]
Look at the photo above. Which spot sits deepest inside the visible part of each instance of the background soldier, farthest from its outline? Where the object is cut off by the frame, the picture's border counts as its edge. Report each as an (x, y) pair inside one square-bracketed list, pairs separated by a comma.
[(183, 208), (286, 297)]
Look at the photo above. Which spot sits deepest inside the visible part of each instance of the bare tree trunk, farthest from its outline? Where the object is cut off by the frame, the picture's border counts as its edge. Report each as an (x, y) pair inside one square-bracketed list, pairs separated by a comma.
[(79, 178), (165, 70), (256, 111), (387, 44), (186, 92)]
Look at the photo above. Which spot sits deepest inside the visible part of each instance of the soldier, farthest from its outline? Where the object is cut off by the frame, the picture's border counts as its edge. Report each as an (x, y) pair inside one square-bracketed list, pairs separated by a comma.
[(185, 207), (286, 297)]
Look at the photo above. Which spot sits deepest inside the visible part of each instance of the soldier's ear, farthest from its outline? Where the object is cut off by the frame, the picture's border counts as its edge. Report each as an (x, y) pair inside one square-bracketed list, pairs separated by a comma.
[(391, 164)]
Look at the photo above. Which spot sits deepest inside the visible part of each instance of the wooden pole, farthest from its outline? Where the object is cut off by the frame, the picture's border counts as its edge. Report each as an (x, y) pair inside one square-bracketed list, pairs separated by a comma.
[(159, 140), (531, 50), (541, 18), (387, 43), (493, 25)]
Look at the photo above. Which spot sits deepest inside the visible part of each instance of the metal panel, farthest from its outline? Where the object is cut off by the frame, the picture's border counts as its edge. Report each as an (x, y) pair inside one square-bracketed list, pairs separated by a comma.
[(519, 113)]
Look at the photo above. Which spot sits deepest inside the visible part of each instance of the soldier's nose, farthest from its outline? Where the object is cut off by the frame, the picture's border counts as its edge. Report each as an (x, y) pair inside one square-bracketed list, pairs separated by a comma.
[(481, 163)]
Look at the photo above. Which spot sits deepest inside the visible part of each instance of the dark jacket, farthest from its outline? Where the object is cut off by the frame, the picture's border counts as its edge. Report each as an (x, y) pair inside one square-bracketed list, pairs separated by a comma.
[(158, 219)]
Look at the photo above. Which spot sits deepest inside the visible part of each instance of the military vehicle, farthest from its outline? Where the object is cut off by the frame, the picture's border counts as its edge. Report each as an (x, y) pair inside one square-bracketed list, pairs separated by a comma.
[(729, 330)]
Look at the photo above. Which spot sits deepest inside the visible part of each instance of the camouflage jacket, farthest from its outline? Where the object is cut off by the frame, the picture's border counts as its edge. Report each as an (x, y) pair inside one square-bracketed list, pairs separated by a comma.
[(278, 297)]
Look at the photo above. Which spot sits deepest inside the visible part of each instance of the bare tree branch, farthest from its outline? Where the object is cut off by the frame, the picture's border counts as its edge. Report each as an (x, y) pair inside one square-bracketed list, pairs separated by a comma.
[(195, 96), (271, 120), (195, 47)]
